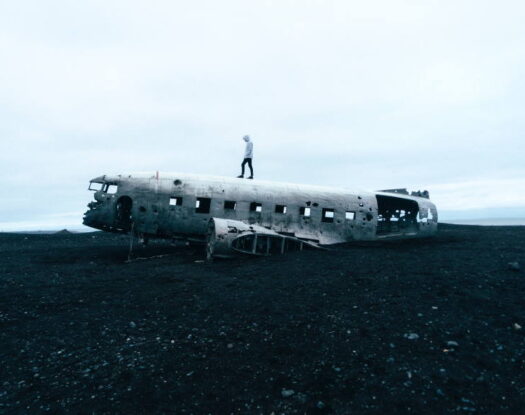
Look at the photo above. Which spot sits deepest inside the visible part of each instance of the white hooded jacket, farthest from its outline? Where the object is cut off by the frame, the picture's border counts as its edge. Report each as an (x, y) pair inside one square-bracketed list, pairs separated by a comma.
[(248, 151)]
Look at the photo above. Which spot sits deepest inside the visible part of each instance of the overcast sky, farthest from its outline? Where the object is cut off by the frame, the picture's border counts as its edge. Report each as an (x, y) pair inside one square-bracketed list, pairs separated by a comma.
[(364, 95)]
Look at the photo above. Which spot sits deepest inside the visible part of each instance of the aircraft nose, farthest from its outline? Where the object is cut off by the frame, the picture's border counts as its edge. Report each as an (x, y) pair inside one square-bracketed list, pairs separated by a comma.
[(89, 215), (98, 216)]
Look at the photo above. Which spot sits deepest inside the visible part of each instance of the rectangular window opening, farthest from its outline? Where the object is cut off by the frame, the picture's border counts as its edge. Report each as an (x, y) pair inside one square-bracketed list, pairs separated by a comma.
[(349, 215), (202, 205), (111, 189), (328, 215), (95, 186), (305, 211), (175, 201), (255, 207), (280, 209), (230, 205)]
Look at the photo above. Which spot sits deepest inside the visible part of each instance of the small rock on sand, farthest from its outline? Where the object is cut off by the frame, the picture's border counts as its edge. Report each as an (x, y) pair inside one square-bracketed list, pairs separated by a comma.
[(514, 266), (286, 393)]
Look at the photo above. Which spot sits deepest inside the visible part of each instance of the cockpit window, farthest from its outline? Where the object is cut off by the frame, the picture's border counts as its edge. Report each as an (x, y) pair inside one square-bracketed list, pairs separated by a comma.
[(111, 189), (95, 186)]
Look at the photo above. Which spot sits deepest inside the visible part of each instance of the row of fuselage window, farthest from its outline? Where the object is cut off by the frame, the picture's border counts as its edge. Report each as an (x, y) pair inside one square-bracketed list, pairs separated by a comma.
[(203, 205)]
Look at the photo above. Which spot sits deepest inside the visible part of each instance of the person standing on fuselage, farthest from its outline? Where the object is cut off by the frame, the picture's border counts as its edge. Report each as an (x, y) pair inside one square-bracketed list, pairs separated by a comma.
[(248, 156)]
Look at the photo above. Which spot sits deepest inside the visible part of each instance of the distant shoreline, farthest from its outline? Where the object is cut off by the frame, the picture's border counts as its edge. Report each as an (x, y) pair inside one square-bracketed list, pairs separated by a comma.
[(465, 222), (486, 222)]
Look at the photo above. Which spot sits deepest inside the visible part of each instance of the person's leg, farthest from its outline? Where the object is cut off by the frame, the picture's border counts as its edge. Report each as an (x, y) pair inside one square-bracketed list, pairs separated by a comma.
[(242, 167), (251, 167)]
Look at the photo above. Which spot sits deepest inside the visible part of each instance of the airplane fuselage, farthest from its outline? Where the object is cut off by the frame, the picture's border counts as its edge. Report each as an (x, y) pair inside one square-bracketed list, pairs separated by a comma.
[(181, 206)]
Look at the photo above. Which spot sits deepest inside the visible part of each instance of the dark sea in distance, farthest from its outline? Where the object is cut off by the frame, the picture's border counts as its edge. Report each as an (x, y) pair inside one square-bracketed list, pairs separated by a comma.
[(477, 222), (487, 221)]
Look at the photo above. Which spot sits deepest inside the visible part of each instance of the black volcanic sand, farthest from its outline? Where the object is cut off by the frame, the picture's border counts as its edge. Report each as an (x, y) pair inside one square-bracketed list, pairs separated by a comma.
[(431, 326)]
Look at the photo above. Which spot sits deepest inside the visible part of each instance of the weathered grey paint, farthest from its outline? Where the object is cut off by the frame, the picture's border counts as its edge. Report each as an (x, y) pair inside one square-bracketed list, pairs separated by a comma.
[(224, 239), (152, 216)]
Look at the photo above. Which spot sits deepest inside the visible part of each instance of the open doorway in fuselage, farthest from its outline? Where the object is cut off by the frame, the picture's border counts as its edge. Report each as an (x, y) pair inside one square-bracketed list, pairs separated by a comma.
[(396, 215), (123, 218)]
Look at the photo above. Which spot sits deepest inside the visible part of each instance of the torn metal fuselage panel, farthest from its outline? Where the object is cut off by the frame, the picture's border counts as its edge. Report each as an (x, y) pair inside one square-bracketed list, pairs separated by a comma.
[(256, 217), (226, 237)]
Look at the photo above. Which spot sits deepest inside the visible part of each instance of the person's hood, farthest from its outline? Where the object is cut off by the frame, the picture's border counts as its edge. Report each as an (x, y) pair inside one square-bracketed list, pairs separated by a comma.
[(246, 138)]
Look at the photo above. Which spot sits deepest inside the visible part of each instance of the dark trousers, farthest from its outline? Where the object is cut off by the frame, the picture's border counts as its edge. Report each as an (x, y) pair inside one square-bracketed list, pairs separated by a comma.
[(249, 161)]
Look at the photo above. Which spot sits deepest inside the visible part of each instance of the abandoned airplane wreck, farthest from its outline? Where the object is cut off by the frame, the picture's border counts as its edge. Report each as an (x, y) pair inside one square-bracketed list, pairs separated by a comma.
[(233, 216)]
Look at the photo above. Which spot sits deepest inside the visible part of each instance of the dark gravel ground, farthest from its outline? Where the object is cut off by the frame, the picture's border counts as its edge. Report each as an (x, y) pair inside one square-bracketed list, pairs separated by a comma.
[(431, 326)]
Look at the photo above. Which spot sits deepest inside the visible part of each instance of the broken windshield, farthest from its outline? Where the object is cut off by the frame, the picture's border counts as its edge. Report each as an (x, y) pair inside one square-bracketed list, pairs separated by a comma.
[(94, 186), (110, 188)]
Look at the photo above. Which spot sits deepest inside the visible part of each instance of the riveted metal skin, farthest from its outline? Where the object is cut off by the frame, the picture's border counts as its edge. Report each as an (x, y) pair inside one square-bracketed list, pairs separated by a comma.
[(201, 208)]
